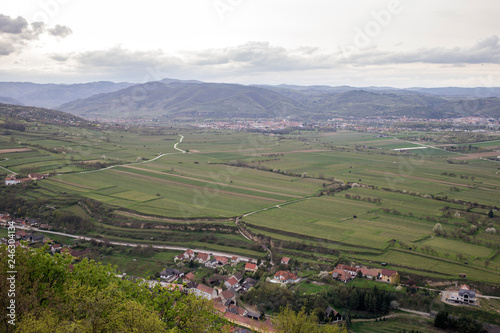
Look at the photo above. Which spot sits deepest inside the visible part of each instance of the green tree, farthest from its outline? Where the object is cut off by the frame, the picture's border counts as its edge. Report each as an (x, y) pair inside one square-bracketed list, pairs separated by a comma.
[(289, 321)]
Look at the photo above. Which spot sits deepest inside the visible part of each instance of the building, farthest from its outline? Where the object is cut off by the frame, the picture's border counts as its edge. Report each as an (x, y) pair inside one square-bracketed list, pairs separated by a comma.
[(250, 267), (232, 283), (204, 291), (463, 296), (285, 277), (170, 274), (370, 273), (285, 260), (388, 275), (202, 257)]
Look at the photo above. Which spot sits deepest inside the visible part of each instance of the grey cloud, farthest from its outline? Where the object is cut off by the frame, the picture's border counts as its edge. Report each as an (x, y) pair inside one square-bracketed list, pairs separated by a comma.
[(119, 57), (12, 26), (60, 31), (6, 48), (15, 34), (484, 51)]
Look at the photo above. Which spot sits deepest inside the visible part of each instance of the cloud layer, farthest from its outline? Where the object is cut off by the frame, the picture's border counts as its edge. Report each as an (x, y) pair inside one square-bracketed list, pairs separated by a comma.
[(16, 33)]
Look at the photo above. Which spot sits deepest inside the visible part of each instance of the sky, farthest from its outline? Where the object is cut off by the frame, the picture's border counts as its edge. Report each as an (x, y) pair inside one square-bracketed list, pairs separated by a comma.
[(396, 43)]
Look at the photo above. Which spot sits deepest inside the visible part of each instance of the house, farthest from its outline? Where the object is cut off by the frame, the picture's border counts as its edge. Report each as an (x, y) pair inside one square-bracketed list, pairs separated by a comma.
[(235, 259), (170, 274), (219, 307), (188, 277), (237, 310), (216, 279), (203, 291), (37, 176), (228, 297), (180, 257), (55, 248), (20, 234), (388, 275), (332, 314), (202, 257), (341, 275), (12, 181), (238, 276), (34, 238), (285, 277), (464, 296), (462, 275), (250, 267), (370, 273), (248, 283), (189, 254), (221, 260), (285, 260), (212, 263), (349, 269), (232, 283)]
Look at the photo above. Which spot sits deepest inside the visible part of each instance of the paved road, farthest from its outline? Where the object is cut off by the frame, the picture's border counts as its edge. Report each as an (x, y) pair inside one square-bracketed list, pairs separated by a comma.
[(164, 247)]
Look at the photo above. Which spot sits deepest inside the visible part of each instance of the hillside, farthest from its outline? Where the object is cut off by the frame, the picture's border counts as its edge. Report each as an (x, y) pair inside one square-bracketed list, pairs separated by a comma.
[(194, 100), (51, 95), (30, 113), (185, 100)]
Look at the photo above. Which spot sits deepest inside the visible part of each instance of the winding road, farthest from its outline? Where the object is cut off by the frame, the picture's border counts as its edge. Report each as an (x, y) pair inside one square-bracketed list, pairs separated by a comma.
[(143, 162)]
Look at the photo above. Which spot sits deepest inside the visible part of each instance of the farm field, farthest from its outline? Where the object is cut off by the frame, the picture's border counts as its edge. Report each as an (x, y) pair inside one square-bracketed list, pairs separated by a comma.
[(279, 186)]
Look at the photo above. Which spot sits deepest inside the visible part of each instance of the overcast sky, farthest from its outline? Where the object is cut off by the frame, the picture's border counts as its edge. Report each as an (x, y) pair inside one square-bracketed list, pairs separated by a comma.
[(399, 43)]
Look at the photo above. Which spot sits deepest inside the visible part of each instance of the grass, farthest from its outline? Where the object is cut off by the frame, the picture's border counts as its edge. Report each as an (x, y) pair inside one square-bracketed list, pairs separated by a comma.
[(396, 325)]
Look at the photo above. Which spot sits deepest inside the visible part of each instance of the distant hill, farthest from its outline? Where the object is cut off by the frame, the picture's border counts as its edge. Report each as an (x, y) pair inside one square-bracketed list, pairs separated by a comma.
[(31, 113), (195, 100), (52, 95), (9, 100), (186, 100)]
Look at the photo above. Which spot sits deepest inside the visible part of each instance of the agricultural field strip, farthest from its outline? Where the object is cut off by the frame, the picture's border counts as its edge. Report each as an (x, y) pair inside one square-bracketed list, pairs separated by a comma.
[(72, 184), (195, 186), (420, 178), (211, 182)]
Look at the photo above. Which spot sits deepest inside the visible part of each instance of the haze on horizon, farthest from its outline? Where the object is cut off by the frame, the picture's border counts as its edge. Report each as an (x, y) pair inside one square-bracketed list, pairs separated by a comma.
[(397, 43)]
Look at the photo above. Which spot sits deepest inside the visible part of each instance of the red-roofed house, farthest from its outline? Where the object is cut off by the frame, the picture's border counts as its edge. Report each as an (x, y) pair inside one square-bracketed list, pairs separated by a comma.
[(204, 291), (250, 267), (202, 257), (231, 283), (221, 260), (370, 273), (342, 275), (188, 277), (286, 277), (388, 275), (285, 260), (235, 259), (219, 307), (189, 254)]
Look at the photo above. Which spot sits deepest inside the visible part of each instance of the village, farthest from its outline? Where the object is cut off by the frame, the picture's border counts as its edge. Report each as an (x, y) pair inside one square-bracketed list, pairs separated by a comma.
[(232, 276)]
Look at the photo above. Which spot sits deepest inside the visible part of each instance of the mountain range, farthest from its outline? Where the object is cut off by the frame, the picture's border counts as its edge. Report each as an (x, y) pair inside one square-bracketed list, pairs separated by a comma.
[(171, 99)]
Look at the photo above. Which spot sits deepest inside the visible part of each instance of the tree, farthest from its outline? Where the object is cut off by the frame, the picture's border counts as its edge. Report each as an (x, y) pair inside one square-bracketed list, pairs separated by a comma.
[(289, 321), (491, 214), (438, 229)]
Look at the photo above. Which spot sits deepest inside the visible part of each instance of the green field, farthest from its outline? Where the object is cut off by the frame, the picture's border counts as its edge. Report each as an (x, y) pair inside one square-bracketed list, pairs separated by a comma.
[(273, 182)]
